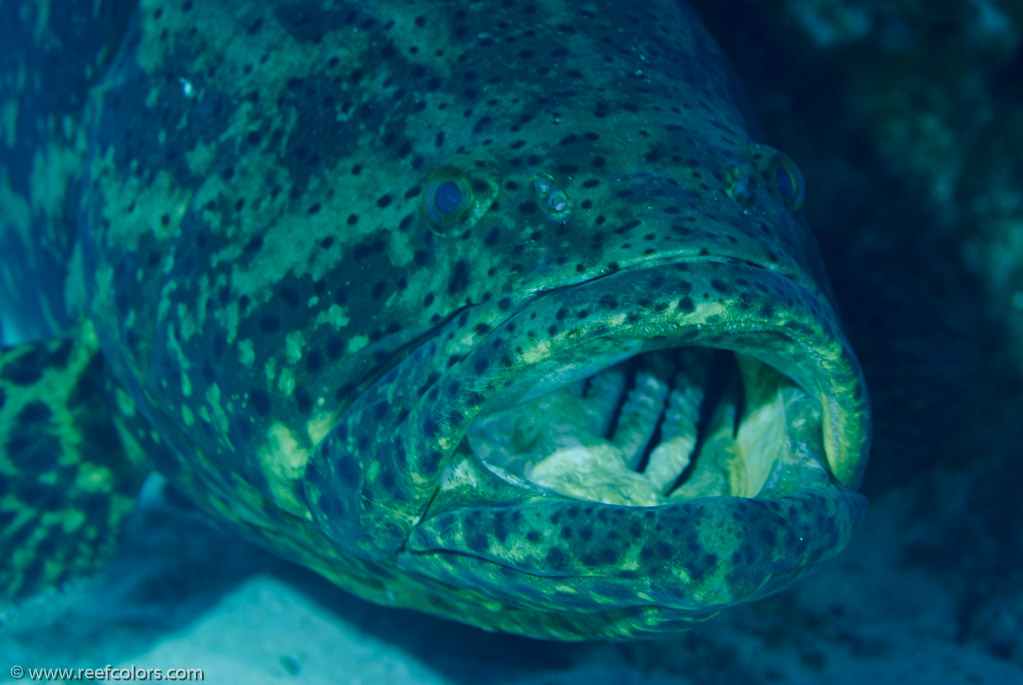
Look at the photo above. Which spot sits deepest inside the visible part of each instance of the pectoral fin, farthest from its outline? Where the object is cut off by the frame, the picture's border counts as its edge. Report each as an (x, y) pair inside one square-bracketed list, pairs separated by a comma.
[(71, 463)]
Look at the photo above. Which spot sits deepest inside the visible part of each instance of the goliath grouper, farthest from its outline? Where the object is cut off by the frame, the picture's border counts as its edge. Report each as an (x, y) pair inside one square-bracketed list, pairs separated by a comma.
[(490, 309)]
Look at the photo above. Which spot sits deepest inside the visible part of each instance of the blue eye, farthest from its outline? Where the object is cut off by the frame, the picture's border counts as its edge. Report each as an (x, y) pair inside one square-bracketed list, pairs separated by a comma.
[(789, 183), (445, 201), (457, 195), (780, 175), (447, 197)]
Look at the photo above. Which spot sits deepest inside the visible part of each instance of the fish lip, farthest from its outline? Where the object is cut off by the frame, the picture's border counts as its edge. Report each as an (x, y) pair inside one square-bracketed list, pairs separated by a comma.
[(797, 336), (694, 543)]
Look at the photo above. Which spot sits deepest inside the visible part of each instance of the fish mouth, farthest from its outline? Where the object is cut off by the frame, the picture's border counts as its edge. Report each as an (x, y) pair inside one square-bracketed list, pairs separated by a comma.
[(722, 385), (654, 445), (676, 423)]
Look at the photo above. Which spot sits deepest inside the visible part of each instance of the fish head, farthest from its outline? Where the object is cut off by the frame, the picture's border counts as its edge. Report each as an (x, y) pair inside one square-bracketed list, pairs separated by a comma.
[(498, 311), (635, 402)]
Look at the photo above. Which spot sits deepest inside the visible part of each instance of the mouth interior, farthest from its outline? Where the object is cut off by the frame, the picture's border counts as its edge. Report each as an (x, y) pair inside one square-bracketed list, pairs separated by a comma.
[(660, 426)]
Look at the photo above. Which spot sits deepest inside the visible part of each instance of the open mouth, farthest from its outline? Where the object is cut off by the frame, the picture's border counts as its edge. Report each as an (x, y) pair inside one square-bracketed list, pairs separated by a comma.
[(696, 380), (664, 425), (664, 442)]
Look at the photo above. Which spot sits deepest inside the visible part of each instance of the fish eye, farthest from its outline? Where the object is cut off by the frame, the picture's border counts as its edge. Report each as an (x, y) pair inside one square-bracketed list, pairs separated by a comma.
[(448, 197), (781, 175), (788, 182), (456, 197), (445, 200)]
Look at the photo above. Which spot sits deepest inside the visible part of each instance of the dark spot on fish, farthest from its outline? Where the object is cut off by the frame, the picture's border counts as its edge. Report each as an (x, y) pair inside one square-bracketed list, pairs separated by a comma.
[(475, 539), (556, 557), (269, 324), (501, 526), (481, 365), (313, 360), (459, 277), (334, 348), (431, 460), (367, 247), (34, 412), (253, 245), (302, 400), (259, 401), (288, 296)]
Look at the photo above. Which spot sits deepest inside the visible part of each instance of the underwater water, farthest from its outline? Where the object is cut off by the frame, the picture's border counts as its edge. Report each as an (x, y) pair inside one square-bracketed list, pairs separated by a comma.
[(906, 119)]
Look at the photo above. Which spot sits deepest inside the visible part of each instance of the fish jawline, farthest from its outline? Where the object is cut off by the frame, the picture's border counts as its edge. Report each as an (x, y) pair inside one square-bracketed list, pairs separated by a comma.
[(765, 501)]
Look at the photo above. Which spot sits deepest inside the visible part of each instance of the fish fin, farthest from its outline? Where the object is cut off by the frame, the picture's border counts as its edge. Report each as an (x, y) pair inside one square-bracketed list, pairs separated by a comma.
[(71, 463)]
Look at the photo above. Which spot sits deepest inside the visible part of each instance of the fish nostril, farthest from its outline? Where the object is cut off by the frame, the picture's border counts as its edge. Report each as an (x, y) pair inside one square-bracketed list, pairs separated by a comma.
[(741, 186), (557, 201), (552, 199)]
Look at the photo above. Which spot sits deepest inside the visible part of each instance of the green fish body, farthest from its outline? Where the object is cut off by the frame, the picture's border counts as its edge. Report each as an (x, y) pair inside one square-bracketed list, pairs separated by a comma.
[(494, 310)]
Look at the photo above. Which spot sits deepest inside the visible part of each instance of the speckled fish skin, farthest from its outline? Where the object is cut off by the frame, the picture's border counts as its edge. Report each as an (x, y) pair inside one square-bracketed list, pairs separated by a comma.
[(268, 280), (48, 64)]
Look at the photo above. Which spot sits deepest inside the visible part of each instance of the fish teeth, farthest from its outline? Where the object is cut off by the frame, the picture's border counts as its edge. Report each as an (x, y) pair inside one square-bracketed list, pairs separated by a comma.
[(603, 395), (638, 418), (678, 431)]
